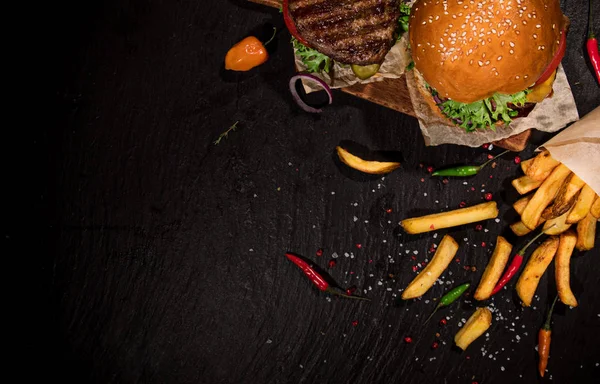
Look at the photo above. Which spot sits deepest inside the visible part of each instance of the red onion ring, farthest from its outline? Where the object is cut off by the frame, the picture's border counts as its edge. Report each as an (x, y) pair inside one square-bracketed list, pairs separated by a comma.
[(298, 98)]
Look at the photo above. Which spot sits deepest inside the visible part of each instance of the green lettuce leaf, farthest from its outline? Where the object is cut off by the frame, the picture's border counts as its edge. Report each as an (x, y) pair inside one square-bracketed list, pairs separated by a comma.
[(481, 114), (314, 60), (403, 20)]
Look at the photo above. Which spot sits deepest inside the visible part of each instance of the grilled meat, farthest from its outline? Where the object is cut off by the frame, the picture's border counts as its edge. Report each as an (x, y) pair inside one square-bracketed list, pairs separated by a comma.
[(349, 31)]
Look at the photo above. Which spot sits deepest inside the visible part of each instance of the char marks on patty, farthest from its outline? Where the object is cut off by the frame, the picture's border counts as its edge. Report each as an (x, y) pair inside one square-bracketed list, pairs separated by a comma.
[(349, 31)]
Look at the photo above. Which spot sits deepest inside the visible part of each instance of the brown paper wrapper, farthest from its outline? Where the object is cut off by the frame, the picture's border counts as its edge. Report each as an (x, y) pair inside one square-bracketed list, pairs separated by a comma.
[(578, 147), (392, 67), (550, 115)]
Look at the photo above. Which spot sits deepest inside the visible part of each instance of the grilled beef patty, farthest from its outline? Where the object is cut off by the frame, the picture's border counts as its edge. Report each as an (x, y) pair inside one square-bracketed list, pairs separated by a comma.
[(348, 31)]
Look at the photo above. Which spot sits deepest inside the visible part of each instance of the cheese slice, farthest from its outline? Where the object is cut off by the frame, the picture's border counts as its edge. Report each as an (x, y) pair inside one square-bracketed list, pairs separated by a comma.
[(541, 91)]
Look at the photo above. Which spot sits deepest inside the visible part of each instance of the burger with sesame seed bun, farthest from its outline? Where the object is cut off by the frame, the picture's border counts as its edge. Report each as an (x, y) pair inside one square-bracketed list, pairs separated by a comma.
[(482, 63)]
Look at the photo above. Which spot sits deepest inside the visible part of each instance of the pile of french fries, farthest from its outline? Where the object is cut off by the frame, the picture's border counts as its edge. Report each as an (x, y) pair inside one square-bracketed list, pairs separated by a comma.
[(558, 199), (555, 199)]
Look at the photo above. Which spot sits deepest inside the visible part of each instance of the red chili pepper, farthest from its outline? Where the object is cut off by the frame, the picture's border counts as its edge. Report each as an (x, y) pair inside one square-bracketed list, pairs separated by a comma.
[(514, 265), (592, 46), (318, 279), (309, 271)]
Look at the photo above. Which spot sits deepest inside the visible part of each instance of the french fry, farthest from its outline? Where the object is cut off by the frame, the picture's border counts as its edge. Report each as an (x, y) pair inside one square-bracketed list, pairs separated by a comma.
[(595, 210), (449, 219), (562, 265), (542, 166), (371, 167), (478, 323), (521, 229), (565, 197), (443, 256), (557, 225), (584, 202), (543, 196), (520, 204), (535, 268), (586, 233), (525, 184), (526, 164), (494, 269)]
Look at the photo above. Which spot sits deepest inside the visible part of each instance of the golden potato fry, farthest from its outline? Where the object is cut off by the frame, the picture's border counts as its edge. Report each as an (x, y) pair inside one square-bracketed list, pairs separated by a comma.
[(520, 229), (562, 265), (535, 268), (525, 184), (449, 219), (494, 269), (584, 202), (372, 167), (478, 323), (520, 204), (565, 197), (542, 166), (586, 233), (543, 196), (443, 256), (526, 164), (595, 210), (557, 225)]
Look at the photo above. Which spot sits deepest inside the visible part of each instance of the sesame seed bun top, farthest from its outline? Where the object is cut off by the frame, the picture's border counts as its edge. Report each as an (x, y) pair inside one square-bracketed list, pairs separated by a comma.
[(468, 50)]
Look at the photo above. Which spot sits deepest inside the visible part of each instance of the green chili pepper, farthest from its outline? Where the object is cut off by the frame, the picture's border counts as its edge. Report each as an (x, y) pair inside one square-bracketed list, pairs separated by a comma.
[(465, 170), (449, 298)]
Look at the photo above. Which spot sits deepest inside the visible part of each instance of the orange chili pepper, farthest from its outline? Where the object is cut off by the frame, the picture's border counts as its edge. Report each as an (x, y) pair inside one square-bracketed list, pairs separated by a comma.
[(247, 54), (544, 338)]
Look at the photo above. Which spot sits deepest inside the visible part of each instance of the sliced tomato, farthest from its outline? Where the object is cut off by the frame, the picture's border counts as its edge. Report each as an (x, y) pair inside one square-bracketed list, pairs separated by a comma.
[(289, 23), (558, 56)]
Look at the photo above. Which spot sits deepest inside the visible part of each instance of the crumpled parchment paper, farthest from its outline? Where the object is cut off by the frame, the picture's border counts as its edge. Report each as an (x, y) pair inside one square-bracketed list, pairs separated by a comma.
[(392, 67), (550, 115), (578, 147)]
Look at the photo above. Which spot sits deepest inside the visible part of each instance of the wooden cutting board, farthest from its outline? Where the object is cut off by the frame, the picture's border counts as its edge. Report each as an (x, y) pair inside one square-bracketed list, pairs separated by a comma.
[(393, 94)]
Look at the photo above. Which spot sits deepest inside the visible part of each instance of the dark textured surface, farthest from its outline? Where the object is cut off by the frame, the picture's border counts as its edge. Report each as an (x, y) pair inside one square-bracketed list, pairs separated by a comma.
[(169, 251)]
